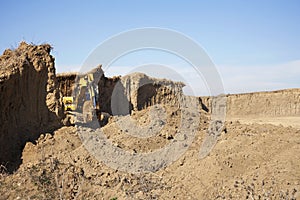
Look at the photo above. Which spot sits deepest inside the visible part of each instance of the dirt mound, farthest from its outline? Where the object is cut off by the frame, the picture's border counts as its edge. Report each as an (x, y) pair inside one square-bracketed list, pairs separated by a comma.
[(30, 99), (248, 162)]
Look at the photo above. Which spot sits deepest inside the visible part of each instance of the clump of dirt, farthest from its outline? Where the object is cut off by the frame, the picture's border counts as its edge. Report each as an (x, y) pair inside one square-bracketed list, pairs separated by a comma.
[(30, 99)]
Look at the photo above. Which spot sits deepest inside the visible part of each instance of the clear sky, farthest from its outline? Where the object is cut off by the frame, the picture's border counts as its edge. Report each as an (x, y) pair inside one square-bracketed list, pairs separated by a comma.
[(254, 44)]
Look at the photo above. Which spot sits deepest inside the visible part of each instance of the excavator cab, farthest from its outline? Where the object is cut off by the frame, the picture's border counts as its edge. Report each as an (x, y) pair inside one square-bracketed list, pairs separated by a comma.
[(69, 104), (88, 96)]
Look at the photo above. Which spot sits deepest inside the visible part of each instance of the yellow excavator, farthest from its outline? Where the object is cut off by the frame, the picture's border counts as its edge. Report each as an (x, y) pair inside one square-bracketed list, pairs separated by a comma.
[(85, 95), (69, 104)]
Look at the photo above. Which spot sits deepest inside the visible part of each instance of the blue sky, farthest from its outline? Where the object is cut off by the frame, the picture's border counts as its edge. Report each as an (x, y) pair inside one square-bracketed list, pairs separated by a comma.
[(254, 44)]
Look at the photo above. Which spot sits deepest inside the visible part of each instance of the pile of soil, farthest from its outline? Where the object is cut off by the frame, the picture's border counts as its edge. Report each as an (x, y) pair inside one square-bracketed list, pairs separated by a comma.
[(248, 162)]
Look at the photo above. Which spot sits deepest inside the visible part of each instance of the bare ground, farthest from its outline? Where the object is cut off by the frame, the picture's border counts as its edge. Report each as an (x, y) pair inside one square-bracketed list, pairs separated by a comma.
[(278, 121), (250, 161)]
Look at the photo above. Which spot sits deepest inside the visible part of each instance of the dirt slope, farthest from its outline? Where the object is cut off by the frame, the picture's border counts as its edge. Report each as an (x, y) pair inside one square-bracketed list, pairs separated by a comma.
[(248, 162)]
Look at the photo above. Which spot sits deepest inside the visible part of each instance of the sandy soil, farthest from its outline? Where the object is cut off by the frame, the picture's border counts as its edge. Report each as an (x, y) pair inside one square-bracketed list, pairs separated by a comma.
[(278, 121), (250, 161)]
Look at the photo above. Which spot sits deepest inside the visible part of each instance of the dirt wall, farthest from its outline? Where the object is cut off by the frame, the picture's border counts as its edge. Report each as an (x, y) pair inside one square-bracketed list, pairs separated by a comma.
[(137, 91), (131, 92), (66, 83), (142, 91), (106, 87), (279, 103), (29, 99)]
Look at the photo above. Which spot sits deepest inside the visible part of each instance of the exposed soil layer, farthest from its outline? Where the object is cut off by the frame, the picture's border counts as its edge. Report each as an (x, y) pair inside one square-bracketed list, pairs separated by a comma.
[(135, 91), (281, 103), (29, 99), (66, 83)]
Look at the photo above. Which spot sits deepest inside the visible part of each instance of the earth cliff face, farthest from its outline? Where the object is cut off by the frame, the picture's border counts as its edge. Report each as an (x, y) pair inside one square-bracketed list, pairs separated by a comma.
[(277, 103), (138, 91), (66, 83), (281, 103), (29, 99)]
